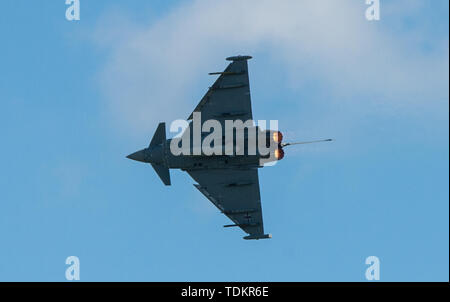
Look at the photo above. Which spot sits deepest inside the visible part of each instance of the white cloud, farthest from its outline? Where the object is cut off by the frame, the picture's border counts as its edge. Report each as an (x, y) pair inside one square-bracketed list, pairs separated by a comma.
[(153, 70)]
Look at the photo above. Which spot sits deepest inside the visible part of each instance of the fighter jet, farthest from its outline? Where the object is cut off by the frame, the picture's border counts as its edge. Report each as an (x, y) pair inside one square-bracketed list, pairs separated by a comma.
[(228, 179)]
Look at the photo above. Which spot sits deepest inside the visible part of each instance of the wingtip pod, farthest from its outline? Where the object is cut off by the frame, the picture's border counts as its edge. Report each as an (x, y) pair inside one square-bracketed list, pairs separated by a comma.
[(257, 237), (238, 58)]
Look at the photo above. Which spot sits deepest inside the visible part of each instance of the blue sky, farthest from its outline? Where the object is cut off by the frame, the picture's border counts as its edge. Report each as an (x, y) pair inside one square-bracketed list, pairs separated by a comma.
[(77, 97)]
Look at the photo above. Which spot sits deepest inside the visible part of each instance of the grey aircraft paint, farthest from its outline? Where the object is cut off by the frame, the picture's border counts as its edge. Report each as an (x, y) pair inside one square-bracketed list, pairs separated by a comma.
[(230, 182)]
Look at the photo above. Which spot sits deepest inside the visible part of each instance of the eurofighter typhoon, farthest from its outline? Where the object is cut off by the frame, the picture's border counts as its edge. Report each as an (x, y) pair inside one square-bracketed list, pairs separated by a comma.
[(221, 148)]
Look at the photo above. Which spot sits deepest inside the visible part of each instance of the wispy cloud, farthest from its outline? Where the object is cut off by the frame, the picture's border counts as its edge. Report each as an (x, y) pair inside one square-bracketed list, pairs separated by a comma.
[(153, 69)]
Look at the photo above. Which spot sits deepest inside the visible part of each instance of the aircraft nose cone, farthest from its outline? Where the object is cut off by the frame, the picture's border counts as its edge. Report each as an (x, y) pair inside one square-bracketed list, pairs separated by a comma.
[(138, 156)]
